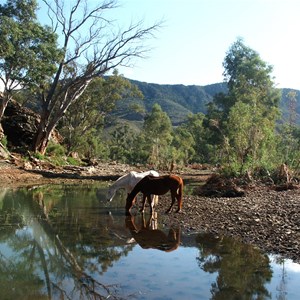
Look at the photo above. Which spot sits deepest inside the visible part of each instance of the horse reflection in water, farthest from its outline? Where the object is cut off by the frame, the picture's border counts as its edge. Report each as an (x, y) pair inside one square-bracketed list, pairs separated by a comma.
[(150, 185), (128, 182), (148, 236)]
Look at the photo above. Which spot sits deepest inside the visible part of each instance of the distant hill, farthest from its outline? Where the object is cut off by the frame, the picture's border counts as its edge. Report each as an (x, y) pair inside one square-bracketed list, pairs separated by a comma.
[(176, 100), (179, 100)]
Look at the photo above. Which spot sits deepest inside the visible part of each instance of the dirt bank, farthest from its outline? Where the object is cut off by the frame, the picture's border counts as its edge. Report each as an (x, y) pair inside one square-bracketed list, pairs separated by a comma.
[(263, 217)]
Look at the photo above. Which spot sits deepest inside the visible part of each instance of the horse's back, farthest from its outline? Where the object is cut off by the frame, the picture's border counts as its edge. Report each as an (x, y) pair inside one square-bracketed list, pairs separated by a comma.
[(159, 185), (170, 179)]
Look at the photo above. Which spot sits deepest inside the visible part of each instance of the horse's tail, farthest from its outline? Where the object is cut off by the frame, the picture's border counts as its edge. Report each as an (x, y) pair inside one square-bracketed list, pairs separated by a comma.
[(180, 188)]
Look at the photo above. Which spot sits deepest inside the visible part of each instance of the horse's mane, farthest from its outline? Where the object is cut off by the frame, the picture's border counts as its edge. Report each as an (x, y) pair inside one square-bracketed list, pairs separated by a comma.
[(136, 189)]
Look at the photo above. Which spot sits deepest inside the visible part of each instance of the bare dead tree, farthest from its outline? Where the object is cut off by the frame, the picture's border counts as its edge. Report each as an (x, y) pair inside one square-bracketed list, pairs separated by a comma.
[(93, 45)]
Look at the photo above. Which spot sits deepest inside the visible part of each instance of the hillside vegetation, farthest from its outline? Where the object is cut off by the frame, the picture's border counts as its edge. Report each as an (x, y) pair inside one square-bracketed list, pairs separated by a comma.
[(179, 100)]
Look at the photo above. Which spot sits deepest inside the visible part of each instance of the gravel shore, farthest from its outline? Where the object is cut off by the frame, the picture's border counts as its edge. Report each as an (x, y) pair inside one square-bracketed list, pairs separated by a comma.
[(265, 218)]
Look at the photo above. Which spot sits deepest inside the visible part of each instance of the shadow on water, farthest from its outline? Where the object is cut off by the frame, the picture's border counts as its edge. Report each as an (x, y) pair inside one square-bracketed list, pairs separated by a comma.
[(66, 242)]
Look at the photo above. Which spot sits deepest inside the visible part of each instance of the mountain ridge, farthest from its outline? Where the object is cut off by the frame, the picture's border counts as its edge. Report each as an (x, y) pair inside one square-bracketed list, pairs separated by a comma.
[(179, 100)]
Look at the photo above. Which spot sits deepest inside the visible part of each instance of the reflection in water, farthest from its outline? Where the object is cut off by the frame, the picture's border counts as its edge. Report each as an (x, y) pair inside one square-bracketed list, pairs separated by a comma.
[(35, 258), (242, 271), (66, 242), (147, 234)]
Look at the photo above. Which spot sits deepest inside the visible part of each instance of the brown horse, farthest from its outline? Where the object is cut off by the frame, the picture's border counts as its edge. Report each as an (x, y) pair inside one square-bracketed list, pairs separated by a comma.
[(151, 185)]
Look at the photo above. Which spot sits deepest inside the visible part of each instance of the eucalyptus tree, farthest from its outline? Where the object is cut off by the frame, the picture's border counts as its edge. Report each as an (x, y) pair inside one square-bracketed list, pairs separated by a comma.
[(121, 143), (183, 146), (202, 145), (28, 50), (93, 45), (289, 132), (158, 135), (246, 116), (85, 119)]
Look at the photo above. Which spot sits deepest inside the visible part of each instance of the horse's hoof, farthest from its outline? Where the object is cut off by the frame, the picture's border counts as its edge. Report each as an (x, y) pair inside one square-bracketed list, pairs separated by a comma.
[(178, 211)]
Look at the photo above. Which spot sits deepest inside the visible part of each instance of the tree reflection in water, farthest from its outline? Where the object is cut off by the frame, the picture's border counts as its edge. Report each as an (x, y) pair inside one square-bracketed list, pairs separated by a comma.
[(36, 261), (242, 270)]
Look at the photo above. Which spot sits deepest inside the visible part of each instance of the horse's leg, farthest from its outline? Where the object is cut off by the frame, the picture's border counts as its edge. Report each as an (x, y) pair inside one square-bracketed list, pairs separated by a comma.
[(150, 201), (154, 201), (179, 201), (143, 203), (173, 196), (128, 206), (136, 202), (153, 220), (179, 197), (144, 223)]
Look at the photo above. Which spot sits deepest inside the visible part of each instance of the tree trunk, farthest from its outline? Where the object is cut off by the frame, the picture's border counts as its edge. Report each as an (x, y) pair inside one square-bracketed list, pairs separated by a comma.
[(1, 132), (43, 135), (3, 104), (41, 142)]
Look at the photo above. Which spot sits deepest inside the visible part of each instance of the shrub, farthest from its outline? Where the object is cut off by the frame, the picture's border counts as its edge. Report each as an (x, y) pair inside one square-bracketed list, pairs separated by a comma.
[(4, 142), (55, 150)]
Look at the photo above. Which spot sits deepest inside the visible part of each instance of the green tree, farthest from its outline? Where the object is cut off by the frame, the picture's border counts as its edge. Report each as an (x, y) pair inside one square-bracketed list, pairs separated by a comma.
[(158, 136), (84, 119), (289, 134), (202, 143), (252, 141), (28, 51), (126, 145), (292, 104), (93, 45), (216, 139), (183, 145), (245, 118)]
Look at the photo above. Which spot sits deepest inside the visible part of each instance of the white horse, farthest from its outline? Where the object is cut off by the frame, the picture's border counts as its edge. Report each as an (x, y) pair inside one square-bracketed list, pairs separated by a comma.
[(128, 182)]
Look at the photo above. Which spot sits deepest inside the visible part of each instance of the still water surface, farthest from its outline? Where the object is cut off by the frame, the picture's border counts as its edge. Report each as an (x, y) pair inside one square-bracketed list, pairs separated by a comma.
[(67, 242)]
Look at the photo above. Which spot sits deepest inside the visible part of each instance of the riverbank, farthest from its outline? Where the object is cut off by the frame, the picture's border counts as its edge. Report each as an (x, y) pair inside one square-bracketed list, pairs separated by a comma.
[(263, 217)]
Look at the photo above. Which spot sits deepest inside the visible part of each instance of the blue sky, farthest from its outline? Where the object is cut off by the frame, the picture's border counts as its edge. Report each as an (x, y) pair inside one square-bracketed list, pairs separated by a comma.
[(191, 46)]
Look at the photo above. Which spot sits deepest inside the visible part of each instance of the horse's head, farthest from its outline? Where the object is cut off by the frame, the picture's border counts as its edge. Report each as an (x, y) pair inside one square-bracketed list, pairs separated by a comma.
[(110, 194)]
